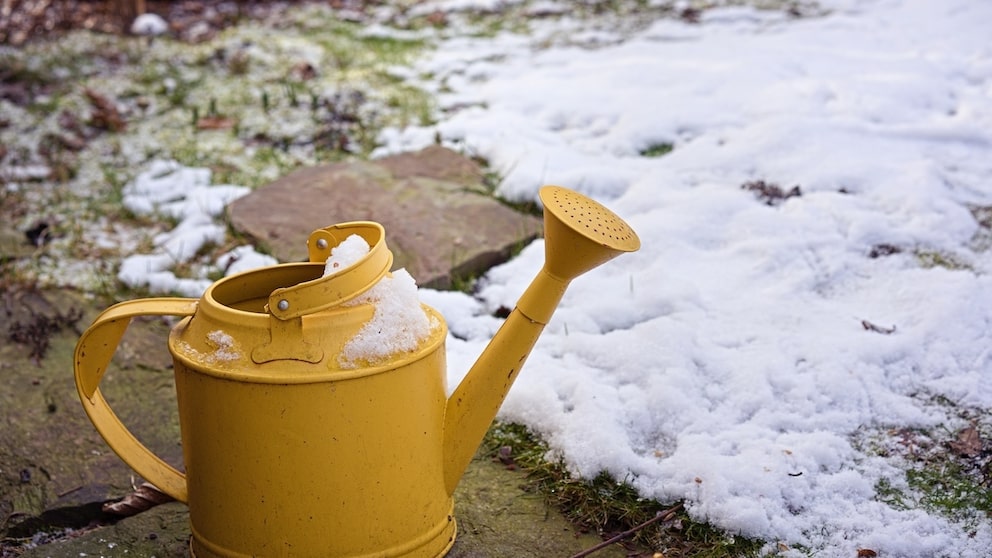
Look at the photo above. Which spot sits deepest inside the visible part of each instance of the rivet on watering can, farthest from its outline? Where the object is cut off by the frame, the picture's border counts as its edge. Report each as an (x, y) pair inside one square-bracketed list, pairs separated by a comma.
[(283, 305), (322, 244)]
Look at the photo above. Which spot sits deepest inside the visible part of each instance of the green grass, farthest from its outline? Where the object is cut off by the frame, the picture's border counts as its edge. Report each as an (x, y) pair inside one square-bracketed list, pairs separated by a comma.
[(608, 506), (491, 180), (463, 283), (943, 475), (413, 106), (657, 150), (935, 258), (950, 490), (945, 488)]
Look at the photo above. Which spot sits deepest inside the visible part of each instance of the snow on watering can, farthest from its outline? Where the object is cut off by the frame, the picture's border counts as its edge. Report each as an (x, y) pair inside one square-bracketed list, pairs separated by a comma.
[(293, 447)]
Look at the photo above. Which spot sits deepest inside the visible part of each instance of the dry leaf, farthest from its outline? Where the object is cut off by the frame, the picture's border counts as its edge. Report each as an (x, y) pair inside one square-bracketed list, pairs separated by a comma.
[(304, 71), (866, 553), (437, 18), (505, 456), (769, 193), (70, 142), (105, 114), (968, 444), (144, 497), (215, 123)]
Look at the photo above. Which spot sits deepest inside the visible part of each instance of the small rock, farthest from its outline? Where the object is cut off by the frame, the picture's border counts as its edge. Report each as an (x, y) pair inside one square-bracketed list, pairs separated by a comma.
[(149, 25), (39, 234)]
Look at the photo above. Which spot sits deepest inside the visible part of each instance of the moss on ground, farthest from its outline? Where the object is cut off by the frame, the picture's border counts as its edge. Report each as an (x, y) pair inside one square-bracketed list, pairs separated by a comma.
[(609, 506), (947, 468)]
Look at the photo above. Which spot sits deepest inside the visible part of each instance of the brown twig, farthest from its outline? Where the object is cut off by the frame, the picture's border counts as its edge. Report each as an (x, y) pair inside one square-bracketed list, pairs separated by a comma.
[(660, 516), (877, 328), (68, 492)]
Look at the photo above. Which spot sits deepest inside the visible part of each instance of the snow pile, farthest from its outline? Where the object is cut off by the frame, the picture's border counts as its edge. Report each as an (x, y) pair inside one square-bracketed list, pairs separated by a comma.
[(149, 24), (186, 195), (345, 254), (399, 323)]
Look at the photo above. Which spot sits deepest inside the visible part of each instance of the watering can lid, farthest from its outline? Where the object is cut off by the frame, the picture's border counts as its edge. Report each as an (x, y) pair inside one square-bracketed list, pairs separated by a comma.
[(313, 296)]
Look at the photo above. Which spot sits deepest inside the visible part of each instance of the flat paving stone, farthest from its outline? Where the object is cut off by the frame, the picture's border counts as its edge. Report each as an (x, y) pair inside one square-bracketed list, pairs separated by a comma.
[(440, 223)]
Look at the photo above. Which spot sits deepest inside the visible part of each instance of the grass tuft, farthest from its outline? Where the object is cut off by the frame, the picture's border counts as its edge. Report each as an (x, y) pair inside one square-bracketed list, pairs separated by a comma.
[(607, 506), (657, 150), (934, 258), (948, 471)]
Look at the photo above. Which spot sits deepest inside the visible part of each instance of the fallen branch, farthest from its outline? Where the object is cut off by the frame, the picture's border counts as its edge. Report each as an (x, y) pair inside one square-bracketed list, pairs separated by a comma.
[(663, 515)]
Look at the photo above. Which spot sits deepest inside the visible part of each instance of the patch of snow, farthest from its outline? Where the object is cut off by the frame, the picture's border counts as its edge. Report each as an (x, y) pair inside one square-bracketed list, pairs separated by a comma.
[(446, 6), (185, 194), (226, 348), (726, 363), (12, 173), (349, 251), (399, 323), (382, 31), (244, 258), (470, 318), (149, 24)]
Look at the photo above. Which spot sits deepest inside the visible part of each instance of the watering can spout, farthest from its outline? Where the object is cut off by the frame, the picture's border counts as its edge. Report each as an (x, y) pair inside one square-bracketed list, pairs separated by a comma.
[(579, 235)]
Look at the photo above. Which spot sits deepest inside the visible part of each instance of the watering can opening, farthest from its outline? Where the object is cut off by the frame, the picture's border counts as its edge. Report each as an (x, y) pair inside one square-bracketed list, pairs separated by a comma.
[(249, 291), (301, 313), (289, 291)]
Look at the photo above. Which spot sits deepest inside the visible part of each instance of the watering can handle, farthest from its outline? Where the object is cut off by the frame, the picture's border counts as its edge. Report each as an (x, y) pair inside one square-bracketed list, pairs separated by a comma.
[(313, 296), (93, 353)]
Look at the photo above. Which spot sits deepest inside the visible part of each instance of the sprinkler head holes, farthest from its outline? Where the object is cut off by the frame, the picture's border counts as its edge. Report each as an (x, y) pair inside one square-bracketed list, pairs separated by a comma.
[(589, 218)]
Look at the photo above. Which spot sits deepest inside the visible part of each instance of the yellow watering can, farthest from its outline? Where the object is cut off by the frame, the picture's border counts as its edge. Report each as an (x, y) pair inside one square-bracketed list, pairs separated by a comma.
[(289, 453)]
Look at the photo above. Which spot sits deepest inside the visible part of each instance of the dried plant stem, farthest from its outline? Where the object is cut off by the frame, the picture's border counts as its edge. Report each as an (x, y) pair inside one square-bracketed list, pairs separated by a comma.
[(660, 516)]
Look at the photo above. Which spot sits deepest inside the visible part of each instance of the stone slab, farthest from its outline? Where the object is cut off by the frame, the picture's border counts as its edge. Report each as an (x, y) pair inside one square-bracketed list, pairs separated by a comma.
[(440, 223)]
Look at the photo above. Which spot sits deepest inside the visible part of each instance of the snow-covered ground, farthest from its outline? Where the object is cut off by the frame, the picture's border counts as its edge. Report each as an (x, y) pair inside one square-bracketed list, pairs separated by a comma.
[(752, 356), (738, 358)]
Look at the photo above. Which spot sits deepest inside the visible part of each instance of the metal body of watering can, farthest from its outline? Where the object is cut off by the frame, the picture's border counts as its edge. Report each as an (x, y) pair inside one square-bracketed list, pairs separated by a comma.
[(288, 452)]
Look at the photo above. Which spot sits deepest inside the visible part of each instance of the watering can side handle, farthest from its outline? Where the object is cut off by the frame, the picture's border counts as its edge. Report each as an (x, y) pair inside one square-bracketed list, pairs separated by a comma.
[(94, 350)]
